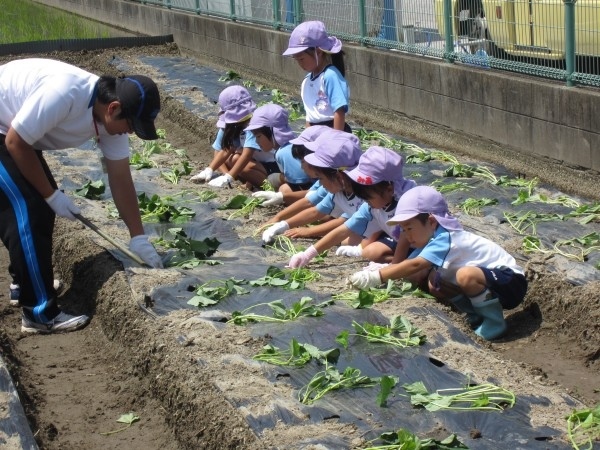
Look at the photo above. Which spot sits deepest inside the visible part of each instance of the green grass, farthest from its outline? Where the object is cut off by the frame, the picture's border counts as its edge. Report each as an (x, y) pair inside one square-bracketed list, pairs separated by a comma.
[(25, 21)]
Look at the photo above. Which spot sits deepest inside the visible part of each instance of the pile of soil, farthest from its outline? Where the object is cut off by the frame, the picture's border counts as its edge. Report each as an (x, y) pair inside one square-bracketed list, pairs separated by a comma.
[(75, 386)]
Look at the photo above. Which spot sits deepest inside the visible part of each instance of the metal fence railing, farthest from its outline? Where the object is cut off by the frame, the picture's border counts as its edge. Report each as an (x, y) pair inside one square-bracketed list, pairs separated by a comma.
[(557, 39)]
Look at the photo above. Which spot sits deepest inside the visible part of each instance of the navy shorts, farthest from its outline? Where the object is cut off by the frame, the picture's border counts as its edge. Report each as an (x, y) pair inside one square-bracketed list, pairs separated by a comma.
[(391, 243), (510, 287), (271, 167), (296, 187)]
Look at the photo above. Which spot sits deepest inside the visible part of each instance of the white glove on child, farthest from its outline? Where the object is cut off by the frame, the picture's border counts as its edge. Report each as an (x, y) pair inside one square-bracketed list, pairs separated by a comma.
[(62, 205), (269, 198), (145, 250), (303, 258), (204, 175), (365, 279), (349, 250), (222, 181), (275, 229), (375, 266)]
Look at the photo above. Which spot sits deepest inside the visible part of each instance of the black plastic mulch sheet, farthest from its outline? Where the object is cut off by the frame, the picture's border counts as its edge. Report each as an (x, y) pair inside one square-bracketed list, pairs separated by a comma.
[(246, 259)]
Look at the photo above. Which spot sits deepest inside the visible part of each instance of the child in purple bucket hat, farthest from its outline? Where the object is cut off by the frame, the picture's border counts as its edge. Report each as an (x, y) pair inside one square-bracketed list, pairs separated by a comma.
[(272, 132), (333, 152), (476, 275), (324, 90), (298, 152), (378, 180), (237, 154)]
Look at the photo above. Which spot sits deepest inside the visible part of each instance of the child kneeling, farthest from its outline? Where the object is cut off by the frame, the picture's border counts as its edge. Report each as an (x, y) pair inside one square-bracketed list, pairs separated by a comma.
[(478, 276)]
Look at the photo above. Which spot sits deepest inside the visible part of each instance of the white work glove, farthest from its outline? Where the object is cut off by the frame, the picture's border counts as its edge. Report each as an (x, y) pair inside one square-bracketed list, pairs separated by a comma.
[(375, 266), (275, 229), (269, 198), (303, 258), (222, 181), (145, 250), (204, 175), (365, 279), (349, 250), (62, 205)]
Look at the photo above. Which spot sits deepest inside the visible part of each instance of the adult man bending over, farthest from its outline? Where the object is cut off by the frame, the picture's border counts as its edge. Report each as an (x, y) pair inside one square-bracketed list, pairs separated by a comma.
[(51, 105)]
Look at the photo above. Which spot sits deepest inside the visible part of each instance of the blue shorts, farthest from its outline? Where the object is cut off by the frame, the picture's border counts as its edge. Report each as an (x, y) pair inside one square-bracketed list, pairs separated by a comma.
[(510, 287), (391, 243)]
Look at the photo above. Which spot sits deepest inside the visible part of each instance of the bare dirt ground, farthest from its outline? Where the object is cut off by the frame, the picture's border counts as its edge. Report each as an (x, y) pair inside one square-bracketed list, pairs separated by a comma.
[(75, 386)]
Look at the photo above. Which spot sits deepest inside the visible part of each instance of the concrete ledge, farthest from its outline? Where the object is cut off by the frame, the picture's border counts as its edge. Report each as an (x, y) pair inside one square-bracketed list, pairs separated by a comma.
[(531, 115)]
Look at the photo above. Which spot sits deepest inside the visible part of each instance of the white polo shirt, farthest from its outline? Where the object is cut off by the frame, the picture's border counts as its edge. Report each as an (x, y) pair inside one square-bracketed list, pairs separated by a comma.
[(48, 103)]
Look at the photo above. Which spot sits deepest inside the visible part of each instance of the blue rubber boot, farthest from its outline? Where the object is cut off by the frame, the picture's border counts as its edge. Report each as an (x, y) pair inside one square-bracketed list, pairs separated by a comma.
[(463, 304), (493, 325)]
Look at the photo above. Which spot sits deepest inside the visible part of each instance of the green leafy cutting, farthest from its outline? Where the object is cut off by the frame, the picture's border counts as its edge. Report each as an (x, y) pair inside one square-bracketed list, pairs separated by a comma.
[(583, 428), (190, 252), (243, 205), (129, 419), (480, 397), (212, 292), (92, 190), (158, 209), (472, 206), (302, 308), (286, 278), (331, 379), (365, 298), (404, 440), (174, 175), (297, 355), (399, 333)]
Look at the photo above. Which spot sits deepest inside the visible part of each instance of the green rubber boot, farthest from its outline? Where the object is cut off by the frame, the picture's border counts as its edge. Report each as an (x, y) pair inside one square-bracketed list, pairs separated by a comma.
[(493, 325), (463, 304)]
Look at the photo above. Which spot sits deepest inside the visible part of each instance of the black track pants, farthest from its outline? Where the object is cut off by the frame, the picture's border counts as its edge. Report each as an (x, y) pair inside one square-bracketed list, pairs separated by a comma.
[(26, 227)]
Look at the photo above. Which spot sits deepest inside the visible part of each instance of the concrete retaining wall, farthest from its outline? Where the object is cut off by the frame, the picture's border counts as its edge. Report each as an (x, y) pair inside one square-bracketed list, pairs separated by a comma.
[(530, 115)]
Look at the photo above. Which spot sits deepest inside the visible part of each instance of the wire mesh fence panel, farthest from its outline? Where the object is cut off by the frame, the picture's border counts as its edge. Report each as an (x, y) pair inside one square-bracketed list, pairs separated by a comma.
[(342, 17), (587, 37), (525, 36)]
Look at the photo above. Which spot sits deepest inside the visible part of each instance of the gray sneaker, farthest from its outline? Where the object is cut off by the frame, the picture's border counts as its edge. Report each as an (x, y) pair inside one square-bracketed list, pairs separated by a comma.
[(15, 291), (62, 323)]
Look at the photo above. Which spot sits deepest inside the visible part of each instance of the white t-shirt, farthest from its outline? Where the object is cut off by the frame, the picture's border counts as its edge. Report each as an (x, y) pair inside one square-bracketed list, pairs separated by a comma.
[(49, 104)]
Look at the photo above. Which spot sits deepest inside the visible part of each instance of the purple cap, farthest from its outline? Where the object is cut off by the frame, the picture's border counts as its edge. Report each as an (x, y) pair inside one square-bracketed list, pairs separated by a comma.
[(274, 117), (310, 134), (236, 104), (424, 199), (377, 164), (312, 34), (334, 149), (140, 103)]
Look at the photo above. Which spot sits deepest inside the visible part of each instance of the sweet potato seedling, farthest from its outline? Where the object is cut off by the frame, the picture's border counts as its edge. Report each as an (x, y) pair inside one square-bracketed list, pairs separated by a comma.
[(302, 308), (286, 278), (583, 428), (242, 204), (92, 190), (331, 379), (399, 333), (404, 440), (212, 292), (478, 397), (298, 355)]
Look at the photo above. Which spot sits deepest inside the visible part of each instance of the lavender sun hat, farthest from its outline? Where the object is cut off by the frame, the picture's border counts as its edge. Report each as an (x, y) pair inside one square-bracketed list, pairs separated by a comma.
[(310, 134), (236, 104), (379, 164), (424, 199), (334, 149), (310, 35), (274, 117)]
